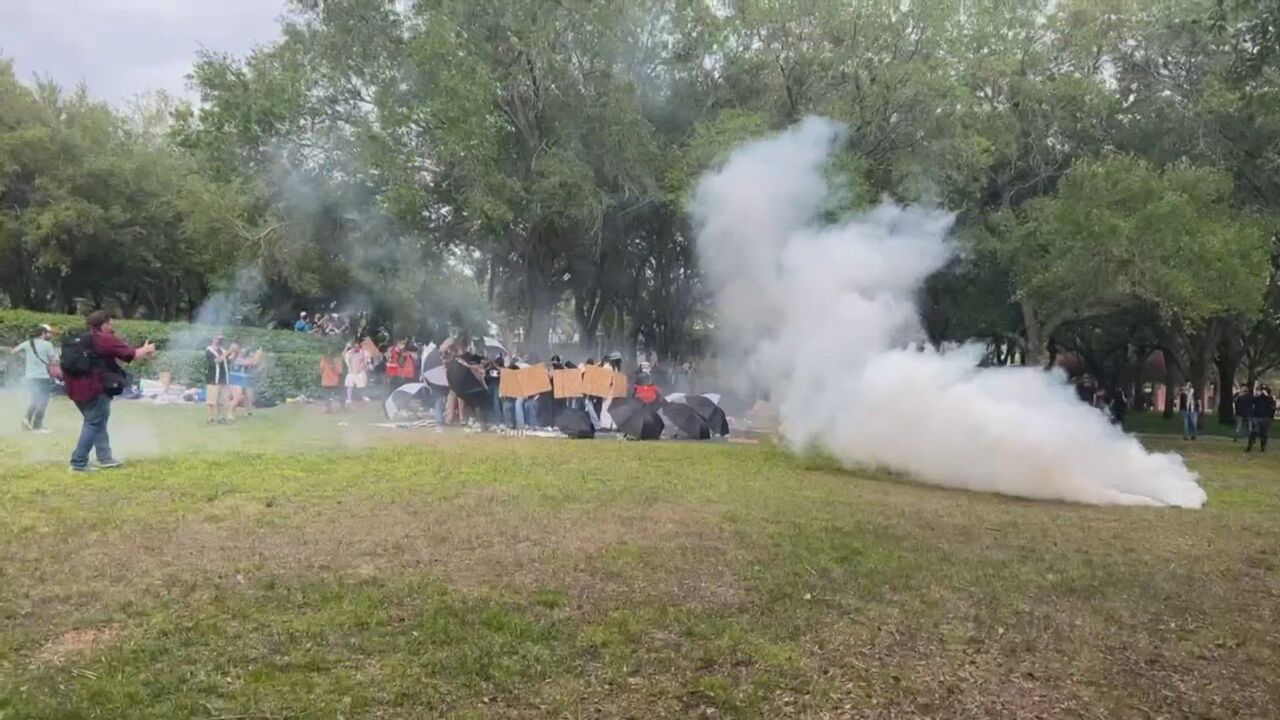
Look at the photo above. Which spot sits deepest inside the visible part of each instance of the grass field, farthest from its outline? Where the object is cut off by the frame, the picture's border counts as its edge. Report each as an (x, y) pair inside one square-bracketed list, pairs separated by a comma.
[(291, 567)]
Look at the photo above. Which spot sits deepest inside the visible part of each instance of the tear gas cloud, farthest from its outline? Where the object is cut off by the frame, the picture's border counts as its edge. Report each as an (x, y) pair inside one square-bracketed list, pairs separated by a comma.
[(824, 316)]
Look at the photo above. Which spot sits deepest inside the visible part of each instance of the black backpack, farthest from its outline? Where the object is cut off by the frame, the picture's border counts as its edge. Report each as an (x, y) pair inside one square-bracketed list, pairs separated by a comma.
[(77, 354)]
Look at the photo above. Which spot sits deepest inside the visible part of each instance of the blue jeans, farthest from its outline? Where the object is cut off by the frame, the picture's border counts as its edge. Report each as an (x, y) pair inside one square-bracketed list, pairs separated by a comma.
[(513, 413), (93, 433), (437, 409), (1190, 419), (531, 412)]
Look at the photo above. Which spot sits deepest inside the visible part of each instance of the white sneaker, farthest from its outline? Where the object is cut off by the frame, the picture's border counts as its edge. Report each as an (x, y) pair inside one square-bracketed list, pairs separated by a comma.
[(42, 431)]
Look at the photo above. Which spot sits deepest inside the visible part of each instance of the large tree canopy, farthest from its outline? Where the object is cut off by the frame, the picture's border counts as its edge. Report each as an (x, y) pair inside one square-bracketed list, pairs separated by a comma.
[(440, 161)]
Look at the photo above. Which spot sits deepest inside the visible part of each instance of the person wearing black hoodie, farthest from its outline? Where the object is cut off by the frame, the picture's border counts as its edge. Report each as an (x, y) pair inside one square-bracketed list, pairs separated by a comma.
[(1243, 407), (1260, 419)]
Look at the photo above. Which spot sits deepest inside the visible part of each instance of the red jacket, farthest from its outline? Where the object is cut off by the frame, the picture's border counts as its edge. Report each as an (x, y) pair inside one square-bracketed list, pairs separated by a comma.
[(109, 349)]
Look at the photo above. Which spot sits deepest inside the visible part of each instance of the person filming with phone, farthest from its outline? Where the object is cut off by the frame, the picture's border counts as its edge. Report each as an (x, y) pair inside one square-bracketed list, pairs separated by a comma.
[(91, 369)]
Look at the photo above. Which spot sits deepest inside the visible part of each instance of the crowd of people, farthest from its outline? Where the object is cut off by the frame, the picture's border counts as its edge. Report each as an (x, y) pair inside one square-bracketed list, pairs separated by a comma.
[(345, 379), (459, 384), (330, 324)]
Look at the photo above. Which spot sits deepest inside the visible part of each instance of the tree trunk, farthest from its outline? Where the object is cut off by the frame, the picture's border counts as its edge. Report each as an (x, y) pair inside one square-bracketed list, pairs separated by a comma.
[(541, 305), (1227, 362), (1034, 352), (1172, 381)]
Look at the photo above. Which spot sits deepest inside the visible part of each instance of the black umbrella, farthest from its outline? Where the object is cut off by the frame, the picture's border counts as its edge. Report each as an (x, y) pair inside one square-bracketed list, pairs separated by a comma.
[(709, 411), (636, 419), (575, 423), (684, 422), (463, 381)]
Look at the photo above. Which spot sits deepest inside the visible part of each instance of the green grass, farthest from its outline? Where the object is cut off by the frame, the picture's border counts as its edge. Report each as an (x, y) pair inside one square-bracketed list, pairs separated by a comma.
[(290, 566), (1155, 423)]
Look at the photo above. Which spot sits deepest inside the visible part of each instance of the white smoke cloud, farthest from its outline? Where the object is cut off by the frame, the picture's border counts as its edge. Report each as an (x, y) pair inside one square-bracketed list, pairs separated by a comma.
[(825, 318)]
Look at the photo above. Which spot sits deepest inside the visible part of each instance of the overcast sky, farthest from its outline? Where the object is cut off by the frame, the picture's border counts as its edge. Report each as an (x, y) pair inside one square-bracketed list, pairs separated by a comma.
[(125, 47)]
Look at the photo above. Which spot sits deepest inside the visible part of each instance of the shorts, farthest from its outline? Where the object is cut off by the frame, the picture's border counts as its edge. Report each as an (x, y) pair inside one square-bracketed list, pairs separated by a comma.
[(357, 380), (240, 380), (213, 394)]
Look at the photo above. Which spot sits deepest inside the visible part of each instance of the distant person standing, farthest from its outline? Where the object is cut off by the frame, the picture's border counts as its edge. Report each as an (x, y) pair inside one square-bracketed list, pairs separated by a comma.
[(1243, 407), (1189, 406), (330, 380), (357, 361), (241, 365), (40, 370), (394, 377), (1262, 416), (93, 376), (216, 392), (683, 382), (1119, 406), (303, 325)]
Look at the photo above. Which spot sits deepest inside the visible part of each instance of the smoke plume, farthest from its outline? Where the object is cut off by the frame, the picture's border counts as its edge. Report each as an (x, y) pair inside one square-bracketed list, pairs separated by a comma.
[(824, 316)]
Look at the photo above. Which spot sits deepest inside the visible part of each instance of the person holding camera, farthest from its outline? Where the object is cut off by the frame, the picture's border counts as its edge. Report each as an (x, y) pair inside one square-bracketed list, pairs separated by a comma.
[(92, 373)]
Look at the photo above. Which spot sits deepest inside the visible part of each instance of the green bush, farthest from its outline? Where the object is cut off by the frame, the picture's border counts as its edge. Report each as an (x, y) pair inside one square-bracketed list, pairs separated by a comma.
[(16, 325)]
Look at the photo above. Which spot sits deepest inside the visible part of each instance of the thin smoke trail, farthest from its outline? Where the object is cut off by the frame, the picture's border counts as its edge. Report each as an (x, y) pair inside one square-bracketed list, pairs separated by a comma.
[(824, 317)]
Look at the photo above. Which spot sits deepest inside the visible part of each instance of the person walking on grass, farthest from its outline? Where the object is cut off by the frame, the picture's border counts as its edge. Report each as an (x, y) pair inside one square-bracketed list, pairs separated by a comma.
[(41, 367), (1189, 406), (216, 393), (90, 366), (1262, 415), (1243, 407)]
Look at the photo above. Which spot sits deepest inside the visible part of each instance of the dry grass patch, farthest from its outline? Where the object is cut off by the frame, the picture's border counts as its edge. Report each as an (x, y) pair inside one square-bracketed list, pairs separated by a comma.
[(78, 642)]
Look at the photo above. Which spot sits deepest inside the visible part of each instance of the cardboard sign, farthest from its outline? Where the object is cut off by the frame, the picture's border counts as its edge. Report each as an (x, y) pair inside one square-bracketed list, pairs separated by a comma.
[(534, 380), (509, 383), (597, 380), (619, 385), (568, 383)]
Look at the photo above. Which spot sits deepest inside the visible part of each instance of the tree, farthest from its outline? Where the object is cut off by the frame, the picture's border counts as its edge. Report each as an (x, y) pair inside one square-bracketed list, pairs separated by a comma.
[(1120, 232)]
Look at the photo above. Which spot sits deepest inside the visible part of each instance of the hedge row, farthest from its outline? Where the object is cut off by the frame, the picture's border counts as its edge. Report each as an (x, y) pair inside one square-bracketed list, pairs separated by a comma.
[(292, 365), (16, 326)]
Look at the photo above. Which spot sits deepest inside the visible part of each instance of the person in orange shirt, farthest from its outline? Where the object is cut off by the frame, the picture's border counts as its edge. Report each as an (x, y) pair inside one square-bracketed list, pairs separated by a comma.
[(330, 381)]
